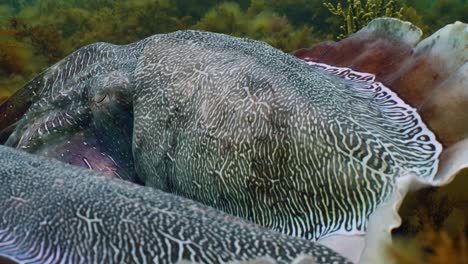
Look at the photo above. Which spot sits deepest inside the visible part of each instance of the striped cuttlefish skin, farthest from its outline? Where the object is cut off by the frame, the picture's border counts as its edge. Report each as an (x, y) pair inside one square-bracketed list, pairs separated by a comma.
[(234, 124), (52, 212)]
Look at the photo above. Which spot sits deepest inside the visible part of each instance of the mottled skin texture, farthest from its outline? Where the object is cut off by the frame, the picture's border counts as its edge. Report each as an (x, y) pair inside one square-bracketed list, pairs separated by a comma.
[(54, 213), (237, 125)]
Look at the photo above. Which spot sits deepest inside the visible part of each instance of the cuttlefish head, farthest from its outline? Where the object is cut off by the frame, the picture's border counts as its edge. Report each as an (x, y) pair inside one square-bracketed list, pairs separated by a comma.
[(78, 111)]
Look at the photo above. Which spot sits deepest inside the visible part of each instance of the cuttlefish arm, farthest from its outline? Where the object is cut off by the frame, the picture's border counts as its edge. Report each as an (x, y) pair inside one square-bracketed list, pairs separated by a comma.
[(55, 213), (13, 109)]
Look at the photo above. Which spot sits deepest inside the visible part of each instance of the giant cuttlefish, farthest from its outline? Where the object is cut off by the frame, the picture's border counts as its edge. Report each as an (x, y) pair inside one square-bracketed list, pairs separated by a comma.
[(229, 122), (53, 213)]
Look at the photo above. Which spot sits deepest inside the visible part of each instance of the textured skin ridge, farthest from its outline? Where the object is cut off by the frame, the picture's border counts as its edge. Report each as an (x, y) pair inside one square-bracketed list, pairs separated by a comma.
[(72, 215), (247, 129)]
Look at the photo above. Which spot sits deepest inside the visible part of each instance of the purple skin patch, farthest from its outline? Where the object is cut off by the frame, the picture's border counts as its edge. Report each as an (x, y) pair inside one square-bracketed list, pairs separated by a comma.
[(84, 151)]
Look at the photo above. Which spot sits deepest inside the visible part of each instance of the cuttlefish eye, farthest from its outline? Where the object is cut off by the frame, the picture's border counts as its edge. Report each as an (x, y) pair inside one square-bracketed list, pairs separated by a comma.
[(111, 91), (101, 98), (117, 98), (111, 124)]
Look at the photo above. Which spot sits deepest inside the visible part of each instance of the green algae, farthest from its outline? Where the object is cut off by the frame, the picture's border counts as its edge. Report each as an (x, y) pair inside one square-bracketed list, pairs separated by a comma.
[(35, 34)]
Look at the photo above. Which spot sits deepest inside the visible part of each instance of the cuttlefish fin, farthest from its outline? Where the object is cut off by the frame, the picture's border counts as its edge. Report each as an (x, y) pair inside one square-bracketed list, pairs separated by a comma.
[(378, 48), (430, 75), (388, 217)]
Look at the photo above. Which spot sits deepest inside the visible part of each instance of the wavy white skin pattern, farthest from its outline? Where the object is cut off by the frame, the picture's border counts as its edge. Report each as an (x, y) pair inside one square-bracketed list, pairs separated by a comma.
[(55, 213), (245, 128), (250, 130), (367, 80)]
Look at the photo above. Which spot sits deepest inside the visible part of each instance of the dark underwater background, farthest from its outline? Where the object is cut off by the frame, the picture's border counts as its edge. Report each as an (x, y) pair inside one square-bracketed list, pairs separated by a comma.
[(34, 34)]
